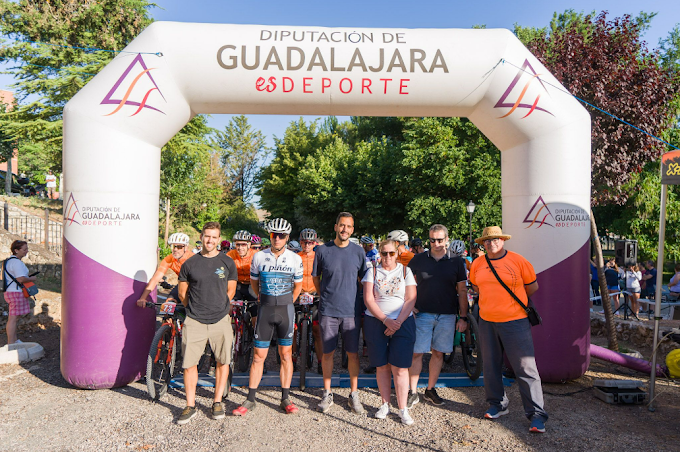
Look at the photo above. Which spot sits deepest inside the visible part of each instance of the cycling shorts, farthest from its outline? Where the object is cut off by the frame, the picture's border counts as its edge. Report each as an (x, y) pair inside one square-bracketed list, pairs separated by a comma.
[(275, 318)]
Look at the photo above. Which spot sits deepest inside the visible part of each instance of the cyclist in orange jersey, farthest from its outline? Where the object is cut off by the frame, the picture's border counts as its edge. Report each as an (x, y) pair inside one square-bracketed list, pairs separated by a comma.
[(179, 242), (242, 254), (308, 239), (401, 237)]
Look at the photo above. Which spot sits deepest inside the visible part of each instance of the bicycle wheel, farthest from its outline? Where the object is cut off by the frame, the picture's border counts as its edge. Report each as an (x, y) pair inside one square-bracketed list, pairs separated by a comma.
[(245, 345), (160, 362), (448, 357), (302, 352), (204, 364), (472, 354)]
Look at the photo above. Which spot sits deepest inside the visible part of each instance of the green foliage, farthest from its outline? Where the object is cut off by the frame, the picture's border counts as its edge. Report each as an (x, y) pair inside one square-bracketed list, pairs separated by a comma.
[(49, 74), (391, 173)]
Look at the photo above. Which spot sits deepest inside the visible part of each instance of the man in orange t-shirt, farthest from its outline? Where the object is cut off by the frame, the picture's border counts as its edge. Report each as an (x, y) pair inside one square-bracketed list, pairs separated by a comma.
[(179, 243), (401, 237), (308, 241)]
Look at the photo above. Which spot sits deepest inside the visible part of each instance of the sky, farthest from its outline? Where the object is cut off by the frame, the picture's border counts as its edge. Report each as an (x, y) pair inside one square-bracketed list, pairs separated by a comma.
[(394, 14)]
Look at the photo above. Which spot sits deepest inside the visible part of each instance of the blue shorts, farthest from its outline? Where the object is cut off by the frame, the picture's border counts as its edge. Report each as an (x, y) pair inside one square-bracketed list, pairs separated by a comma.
[(434, 332), (395, 350), (616, 288)]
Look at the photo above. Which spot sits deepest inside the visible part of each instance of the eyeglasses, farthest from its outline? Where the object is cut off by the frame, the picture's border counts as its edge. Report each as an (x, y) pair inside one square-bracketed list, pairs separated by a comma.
[(437, 240), (241, 244), (385, 253), (491, 240), (178, 247)]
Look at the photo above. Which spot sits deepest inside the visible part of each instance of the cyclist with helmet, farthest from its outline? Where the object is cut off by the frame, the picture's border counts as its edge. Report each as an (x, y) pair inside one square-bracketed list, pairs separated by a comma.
[(401, 237), (225, 246), (308, 239), (294, 246), (255, 243), (243, 256), (457, 248), (179, 242), (417, 246), (265, 243), (276, 276), (372, 255)]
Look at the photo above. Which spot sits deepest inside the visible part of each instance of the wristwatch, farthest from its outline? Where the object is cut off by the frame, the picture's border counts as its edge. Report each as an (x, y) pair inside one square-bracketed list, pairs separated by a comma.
[(463, 318)]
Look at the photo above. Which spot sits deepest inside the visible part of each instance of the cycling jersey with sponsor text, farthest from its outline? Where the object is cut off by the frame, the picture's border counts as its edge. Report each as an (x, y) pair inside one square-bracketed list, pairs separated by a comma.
[(277, 276)]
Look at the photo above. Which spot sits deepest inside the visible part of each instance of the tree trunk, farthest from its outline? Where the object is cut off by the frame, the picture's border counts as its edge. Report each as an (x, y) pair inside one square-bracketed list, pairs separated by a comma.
[(8, 175), (612, 341)]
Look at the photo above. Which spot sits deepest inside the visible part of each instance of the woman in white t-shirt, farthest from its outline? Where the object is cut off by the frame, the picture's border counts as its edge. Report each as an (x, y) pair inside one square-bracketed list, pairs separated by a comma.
[(633, 277), (389, 326), (14, 296)]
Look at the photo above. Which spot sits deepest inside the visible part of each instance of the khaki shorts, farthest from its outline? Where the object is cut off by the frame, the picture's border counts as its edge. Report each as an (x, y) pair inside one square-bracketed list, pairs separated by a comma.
[(220, 335)]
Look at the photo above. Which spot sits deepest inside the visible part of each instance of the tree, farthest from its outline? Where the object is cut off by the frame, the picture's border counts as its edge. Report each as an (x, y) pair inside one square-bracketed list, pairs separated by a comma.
[(243, 152), (46, 41)]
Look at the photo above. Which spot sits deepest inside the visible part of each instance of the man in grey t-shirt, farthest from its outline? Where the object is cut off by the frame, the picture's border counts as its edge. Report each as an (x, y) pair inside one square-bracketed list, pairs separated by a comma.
[(338, 265)]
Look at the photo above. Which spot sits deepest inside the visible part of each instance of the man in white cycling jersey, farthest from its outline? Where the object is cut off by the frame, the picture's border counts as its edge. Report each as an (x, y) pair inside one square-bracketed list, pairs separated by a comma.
[(276, 278)]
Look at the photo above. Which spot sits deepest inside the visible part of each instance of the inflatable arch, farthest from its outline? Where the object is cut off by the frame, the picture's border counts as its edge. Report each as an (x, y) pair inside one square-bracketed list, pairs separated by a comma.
[(116, 125)]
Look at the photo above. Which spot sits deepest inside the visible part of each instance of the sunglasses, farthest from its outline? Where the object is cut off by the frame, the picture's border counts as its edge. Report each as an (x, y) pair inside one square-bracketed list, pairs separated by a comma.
[(437, 240), (491, 240), (385, 253), (241, 244), (278, 235), (308, 242), (256, 247), (178, 247)]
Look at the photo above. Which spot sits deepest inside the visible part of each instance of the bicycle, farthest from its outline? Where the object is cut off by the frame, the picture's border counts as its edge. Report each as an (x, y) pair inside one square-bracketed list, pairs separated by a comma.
[(469, 342), (304, 337), (164, 354), (243, 334)]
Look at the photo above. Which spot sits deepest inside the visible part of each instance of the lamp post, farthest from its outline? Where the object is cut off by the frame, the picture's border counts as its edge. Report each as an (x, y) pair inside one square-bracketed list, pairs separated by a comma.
[(470, 209)]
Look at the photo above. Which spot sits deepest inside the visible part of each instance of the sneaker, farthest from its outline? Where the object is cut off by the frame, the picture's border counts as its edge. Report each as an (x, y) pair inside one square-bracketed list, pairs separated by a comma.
[(288, 406), (244, 408), (355, 404), (412, 400), (537, 426), (405, 417), (188, 413), (369, 370), (383, 411), (495, 413), (433, 397), (326, 402), (18, 341), (218, 410)]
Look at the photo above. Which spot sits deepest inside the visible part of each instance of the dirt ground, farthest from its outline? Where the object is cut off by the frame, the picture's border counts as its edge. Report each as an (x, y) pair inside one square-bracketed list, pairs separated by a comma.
[(40, 411)]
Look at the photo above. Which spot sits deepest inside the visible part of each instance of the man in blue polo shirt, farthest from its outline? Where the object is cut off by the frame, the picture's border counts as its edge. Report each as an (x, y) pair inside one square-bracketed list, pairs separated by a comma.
[(441, 296), (338, 266)]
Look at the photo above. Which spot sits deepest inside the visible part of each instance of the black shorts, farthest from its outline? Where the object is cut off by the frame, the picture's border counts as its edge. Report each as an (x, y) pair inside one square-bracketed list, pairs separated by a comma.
[(279, 318)]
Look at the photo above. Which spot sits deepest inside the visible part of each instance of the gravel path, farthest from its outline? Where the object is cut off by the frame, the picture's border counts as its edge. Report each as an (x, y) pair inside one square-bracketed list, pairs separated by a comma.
[(40, 411)]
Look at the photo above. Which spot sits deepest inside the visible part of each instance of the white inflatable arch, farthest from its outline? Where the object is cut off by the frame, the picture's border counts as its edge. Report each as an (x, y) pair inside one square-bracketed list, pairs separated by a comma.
[(115, 127)]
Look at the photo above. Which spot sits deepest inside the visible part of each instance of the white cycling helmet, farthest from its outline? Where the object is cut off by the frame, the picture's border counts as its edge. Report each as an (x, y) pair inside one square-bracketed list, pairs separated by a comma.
[(308, 234), (457, 248), (243, 236), (354, 240), (279, 225), (294, 246), (178, 238), (398, 235)]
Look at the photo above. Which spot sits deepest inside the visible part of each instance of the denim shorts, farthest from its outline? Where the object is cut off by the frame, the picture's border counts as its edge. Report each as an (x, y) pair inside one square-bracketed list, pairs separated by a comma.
[(616, 288), (434, 332)]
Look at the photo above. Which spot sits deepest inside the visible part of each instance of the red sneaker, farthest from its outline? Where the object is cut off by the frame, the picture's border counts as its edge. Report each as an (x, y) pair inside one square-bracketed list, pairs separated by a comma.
[(244, 408), (288, 406)]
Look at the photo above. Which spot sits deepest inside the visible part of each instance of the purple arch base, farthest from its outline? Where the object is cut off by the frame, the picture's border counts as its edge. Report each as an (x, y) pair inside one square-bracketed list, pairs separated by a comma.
[(562, 341), (102, 345)]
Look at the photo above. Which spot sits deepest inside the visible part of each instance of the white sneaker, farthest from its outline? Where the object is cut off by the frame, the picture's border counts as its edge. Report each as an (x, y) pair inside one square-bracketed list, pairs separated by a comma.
[(383, 411), (405, 417), (18, 341)]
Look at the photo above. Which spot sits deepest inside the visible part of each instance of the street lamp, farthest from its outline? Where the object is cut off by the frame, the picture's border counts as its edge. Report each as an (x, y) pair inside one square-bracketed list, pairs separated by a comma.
[(470, 209)]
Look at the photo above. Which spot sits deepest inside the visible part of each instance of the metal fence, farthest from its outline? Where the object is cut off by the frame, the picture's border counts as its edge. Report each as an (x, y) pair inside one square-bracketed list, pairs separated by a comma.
[(43, 231)]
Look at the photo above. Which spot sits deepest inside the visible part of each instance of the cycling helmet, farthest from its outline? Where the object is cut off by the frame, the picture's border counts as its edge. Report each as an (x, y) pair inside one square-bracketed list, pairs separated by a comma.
[(457, 248), (416, 242), (242, 236), (367, 240), (279, 225), (225, 244), (294, 246), (266, 242), (308, 234), (255, 239), (354, 240), (178, 238), (398, 235)]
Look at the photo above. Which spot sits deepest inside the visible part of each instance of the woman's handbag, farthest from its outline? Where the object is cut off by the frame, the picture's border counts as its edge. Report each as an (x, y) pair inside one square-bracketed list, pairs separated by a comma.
[(532, 313), (29, 288)]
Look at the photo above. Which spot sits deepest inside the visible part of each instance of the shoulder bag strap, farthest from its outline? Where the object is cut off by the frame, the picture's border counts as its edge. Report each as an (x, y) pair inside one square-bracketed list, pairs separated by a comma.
[(493, 270)]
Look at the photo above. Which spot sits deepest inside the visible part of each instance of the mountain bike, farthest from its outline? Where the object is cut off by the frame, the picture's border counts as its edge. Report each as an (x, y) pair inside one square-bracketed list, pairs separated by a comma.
[(304, 337), (241, 321), (469, 341)]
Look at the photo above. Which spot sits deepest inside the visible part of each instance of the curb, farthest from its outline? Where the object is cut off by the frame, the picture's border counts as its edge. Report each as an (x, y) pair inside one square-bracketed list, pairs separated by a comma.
[(19, 353)]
